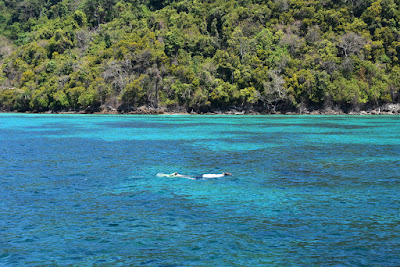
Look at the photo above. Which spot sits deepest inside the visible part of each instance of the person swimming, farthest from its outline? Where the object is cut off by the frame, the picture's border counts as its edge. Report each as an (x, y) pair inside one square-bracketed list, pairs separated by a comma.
[(174, 174), (197, 177), (211, 176)]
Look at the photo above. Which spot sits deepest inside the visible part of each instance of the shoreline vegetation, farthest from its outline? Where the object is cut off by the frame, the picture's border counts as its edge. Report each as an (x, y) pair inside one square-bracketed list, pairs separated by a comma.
[(200, 56), (388, 109)]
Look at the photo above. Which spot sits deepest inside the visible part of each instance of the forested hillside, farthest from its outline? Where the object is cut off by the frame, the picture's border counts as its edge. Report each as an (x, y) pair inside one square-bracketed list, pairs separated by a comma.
[(201, 56)]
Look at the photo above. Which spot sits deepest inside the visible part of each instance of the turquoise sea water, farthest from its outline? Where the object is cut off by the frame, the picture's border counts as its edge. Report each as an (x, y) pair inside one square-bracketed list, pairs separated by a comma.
[(306, 190)]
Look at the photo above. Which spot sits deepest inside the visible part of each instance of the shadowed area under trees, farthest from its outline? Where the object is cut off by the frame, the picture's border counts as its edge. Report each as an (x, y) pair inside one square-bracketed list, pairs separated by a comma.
[(201, 56)]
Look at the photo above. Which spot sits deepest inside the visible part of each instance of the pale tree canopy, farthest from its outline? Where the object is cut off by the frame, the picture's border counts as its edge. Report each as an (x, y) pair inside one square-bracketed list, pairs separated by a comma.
[(351, 43)]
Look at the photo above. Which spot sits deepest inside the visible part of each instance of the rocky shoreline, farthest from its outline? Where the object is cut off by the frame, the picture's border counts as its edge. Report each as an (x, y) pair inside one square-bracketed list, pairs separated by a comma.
[(387, 109)]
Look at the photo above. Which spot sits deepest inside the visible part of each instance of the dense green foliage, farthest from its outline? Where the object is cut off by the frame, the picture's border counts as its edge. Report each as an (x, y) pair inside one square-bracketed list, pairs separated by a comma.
[(198, 55)]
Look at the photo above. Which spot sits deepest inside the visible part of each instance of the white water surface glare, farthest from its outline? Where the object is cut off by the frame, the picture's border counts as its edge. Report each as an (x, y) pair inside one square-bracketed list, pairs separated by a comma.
[(83, 190)]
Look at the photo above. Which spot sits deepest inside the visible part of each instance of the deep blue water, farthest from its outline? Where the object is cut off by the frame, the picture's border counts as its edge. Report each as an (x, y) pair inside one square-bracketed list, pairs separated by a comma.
[(306, 190)]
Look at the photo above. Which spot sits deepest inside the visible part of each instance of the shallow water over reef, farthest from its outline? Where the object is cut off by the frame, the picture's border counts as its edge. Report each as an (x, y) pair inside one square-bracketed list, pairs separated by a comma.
[(306, 190)]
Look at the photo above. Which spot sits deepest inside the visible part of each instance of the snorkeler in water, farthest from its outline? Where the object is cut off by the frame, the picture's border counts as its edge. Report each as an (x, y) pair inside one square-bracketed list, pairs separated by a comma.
[(197, 177), (211, 176), (175, 174)]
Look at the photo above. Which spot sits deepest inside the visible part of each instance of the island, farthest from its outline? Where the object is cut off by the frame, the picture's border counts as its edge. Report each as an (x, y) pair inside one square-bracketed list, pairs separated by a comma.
[(200, 57)]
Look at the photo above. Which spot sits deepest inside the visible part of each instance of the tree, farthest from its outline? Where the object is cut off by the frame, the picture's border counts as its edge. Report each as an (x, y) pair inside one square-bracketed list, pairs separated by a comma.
[(351, 43), (6, 48), (155, 75), (274, 90), (241, 43)]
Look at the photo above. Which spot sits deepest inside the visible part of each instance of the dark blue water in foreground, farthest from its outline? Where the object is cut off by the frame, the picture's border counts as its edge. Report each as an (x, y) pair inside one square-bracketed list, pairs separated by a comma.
[(306, 190)]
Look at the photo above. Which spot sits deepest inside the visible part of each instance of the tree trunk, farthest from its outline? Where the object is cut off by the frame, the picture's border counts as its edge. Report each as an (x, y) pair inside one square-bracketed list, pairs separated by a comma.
[(156, 104)]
